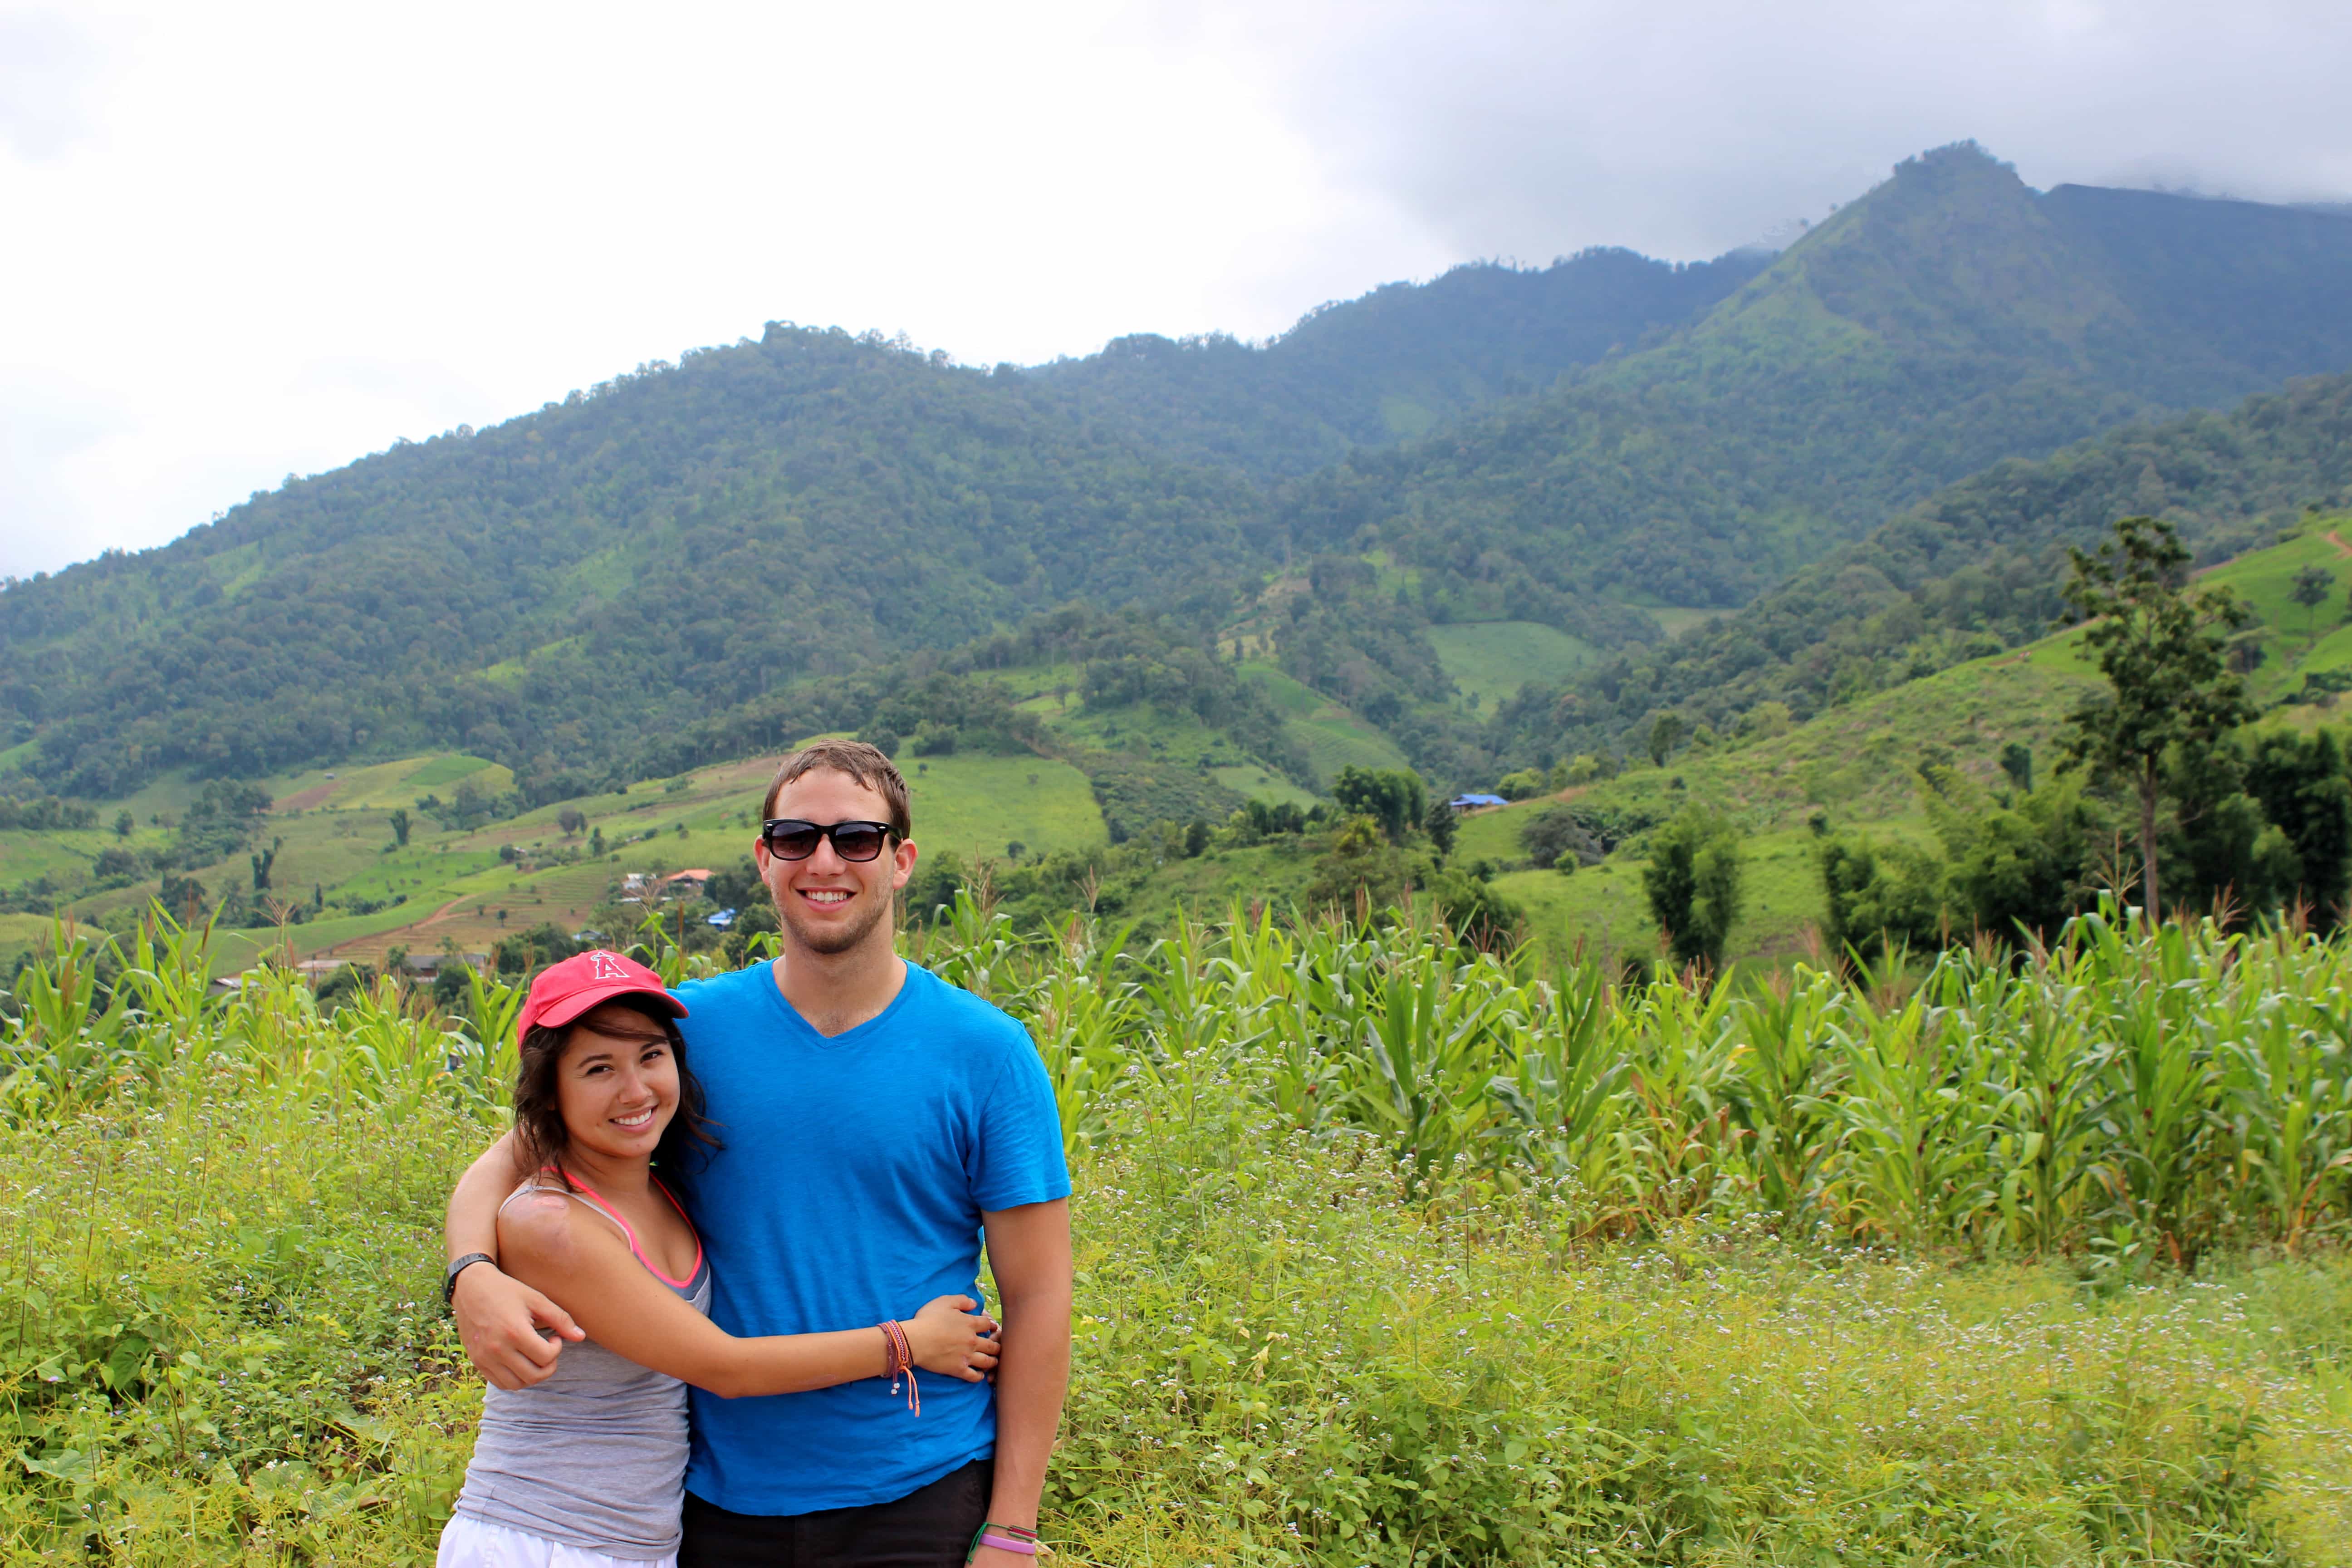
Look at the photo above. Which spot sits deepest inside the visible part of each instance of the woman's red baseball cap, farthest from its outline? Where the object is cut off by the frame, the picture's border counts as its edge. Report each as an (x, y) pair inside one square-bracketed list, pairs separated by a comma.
[(564, 990)]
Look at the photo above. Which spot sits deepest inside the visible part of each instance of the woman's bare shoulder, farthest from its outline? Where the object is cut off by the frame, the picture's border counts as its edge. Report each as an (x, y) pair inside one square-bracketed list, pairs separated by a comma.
[(542, 1225)]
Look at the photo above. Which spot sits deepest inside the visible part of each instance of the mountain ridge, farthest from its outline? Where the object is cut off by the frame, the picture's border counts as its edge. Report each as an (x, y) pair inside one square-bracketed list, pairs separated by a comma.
[(1916, 338), (563, 591)]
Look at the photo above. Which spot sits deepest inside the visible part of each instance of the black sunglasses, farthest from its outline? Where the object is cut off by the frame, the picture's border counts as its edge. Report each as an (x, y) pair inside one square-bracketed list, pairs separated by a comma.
[(790, 839)]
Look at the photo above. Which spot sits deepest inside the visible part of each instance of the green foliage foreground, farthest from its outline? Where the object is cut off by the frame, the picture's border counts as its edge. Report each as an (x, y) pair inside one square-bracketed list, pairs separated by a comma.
[(1387, 1255)]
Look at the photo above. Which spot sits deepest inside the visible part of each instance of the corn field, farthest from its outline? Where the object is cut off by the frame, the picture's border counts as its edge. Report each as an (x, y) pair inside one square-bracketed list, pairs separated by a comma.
[(2126, 1096), (1390, 1252)]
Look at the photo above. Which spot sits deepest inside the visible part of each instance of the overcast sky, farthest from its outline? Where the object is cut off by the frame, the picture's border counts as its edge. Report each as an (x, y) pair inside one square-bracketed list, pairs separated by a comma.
[(247, 239)]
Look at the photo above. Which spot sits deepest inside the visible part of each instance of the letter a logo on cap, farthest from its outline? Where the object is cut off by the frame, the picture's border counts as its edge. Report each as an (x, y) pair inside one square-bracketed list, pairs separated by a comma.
[(564, 990)]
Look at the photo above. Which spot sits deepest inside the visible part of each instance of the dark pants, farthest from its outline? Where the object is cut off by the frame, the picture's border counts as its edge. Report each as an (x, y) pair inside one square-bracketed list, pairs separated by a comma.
[(929, 1528)]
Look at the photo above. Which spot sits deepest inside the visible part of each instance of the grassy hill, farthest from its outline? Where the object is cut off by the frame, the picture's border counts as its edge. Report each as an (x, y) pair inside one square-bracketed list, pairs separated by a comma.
[(1071, 734), (1488, 661), (1858, 762), (1333, 737), (456, 889)]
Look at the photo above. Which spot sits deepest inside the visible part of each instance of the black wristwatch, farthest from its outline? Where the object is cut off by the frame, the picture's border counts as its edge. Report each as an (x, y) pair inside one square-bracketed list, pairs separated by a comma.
[(450, 1280)]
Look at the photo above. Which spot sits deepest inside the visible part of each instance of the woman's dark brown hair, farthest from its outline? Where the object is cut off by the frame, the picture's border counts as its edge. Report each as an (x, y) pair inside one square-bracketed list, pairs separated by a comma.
[(541, 1135)]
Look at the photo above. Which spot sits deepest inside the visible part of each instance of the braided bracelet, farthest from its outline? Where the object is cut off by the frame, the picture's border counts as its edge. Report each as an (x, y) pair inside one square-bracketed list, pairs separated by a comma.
[(899, 1361), (1008, 1538)]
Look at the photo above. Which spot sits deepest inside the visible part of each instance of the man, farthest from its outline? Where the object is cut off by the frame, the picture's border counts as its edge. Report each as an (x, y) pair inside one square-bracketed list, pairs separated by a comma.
[(876, 1122)]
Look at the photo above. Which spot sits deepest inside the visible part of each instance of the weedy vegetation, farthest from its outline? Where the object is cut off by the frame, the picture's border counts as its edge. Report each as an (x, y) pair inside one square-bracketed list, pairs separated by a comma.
[(1392, 1251)]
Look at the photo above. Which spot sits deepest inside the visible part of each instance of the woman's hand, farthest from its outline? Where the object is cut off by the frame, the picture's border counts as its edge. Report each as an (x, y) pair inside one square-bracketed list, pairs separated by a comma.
[(947, 1336)]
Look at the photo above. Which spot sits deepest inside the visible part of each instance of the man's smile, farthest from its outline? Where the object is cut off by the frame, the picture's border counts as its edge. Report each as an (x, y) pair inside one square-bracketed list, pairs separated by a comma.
[(827, 897)]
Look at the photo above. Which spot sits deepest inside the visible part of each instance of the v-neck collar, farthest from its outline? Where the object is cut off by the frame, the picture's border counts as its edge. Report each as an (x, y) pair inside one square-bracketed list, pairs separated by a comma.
[(817, 1036)]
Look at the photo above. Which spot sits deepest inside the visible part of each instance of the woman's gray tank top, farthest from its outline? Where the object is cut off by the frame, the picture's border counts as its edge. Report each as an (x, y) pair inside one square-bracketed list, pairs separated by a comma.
[(594, 1456)]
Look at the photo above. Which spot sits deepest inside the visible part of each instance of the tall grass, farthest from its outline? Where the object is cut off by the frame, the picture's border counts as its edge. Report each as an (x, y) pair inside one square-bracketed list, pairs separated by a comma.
[(1390, 1252)]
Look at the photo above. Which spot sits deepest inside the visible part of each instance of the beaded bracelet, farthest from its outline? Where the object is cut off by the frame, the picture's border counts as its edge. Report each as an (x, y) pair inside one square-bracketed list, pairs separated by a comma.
[(899, 1361), (1008, 1538)]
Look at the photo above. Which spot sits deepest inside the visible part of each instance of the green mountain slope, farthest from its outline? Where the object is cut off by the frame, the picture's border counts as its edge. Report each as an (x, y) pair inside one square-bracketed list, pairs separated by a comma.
[(1974, 568), (1857, 763), (1949, 320), (554, 591), (560, 588), (1390, 364), (684, 561)]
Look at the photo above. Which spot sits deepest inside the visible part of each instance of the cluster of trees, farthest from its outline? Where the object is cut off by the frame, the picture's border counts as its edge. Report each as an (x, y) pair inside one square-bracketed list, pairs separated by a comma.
[(1167, 663), (1391, 840), (221, 824), (1345, 636), (468, 807), (46, 814), (2259, 827), (1565, 838), (2192, 812)]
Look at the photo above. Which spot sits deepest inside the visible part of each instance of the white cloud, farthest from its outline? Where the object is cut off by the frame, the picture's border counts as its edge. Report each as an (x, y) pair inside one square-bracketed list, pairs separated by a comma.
[(1537, 127), (48, 70), (249, 238), (287, 234)]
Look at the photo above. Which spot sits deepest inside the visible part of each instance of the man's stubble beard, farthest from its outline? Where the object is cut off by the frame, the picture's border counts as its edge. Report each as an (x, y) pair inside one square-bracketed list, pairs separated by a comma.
[(842, 940)]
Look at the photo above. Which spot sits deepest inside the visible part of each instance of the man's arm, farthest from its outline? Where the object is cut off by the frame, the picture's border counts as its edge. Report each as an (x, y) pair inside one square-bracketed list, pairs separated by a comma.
[(499, 1319), (1029, 1254)]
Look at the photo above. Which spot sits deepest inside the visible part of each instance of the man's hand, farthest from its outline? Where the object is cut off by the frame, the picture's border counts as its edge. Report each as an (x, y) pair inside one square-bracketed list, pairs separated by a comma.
[(500, 1323)]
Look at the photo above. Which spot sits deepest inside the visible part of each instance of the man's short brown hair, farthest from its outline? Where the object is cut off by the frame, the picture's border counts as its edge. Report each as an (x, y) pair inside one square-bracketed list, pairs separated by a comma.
[(867, 764)]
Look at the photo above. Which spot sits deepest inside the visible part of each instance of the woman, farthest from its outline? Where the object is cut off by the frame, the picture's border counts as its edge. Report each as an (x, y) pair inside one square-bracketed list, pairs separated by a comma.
[(587, 1468)]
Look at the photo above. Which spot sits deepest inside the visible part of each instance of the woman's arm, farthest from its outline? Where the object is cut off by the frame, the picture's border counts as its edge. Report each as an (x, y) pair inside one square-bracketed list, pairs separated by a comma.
[(551, 1243), (499, 1320)]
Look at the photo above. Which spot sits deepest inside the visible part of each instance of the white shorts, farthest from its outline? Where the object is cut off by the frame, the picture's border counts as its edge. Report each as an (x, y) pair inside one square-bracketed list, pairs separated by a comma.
[(467, 1542)]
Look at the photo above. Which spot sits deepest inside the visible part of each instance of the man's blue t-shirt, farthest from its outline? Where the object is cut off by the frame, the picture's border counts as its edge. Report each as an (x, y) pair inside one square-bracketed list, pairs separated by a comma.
[(850, 1190)]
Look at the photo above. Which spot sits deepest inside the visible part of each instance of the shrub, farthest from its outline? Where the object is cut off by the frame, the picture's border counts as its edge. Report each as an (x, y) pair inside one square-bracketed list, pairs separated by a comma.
[(1694, 884), (1524, 784), (1876, 896), (1557, 835)]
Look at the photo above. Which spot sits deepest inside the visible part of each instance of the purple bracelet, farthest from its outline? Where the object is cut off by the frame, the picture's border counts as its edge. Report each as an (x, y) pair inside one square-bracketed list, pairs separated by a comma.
[(1004, 1538)]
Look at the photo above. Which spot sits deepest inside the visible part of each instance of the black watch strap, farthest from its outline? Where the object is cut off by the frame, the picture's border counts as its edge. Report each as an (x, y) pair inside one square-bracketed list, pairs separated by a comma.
[(450, 1280)]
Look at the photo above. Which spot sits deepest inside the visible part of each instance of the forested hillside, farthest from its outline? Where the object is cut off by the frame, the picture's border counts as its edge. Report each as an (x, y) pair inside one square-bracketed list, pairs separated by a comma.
[(1973, 569), (557, 590), (1949, 320), (1391, 365), (576, 587), (598, 588)]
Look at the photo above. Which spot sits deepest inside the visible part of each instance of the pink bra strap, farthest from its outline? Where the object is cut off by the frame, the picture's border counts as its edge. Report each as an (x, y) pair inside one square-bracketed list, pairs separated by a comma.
[(601, 1207)]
